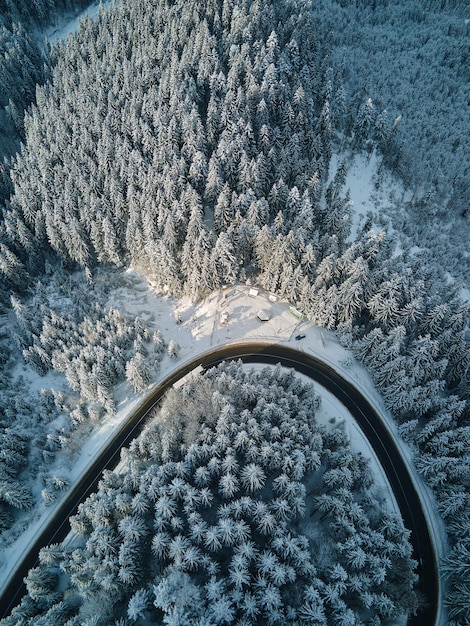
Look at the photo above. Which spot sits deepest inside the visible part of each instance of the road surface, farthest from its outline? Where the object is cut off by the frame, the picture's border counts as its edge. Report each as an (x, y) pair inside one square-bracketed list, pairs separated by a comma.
[(369, 421)]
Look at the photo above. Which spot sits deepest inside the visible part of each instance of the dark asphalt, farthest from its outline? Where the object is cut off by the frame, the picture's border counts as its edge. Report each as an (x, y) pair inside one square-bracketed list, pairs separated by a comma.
[(369, 421)]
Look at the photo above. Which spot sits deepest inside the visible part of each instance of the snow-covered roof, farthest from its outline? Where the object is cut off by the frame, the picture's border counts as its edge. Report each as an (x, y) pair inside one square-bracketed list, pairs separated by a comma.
[(264, 315)]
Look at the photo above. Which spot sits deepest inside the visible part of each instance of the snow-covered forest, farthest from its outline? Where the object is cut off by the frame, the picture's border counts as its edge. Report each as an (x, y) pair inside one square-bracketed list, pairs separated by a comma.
[(24, 63), (252, 513), (193, 141)]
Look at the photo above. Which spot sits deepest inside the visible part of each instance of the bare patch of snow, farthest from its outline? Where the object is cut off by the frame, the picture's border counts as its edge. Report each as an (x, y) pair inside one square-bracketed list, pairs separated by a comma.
[(68, 24), (373, 190)]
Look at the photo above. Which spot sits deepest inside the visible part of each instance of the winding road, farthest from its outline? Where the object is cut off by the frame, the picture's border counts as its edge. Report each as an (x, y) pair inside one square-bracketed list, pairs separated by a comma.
[(370, 422)]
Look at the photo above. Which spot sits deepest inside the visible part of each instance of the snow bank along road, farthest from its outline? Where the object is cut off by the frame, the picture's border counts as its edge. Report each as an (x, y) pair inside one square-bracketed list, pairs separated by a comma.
[(370, 422)]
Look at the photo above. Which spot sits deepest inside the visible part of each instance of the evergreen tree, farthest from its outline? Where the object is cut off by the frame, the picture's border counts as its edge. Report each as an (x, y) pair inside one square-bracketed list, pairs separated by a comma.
[(137, 372)]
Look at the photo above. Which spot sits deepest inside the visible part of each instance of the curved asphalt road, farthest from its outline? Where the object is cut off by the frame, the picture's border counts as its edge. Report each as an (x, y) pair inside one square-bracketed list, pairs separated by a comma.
[(370, 422)]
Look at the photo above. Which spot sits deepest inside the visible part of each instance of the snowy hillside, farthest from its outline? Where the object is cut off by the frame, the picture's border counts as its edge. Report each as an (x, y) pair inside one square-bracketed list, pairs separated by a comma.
[(178, 147)]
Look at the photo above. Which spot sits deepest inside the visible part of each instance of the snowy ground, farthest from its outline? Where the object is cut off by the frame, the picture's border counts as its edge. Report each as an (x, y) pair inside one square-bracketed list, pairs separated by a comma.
[(197, 328), (68, 23), (226, 316), (380, 197), (374, 192), (230, 315)]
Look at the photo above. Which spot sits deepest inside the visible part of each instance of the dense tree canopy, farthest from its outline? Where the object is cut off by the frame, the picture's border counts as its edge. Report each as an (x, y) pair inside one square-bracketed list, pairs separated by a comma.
[(193, 140), (24, 63), (228, 120), (233, 507)]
